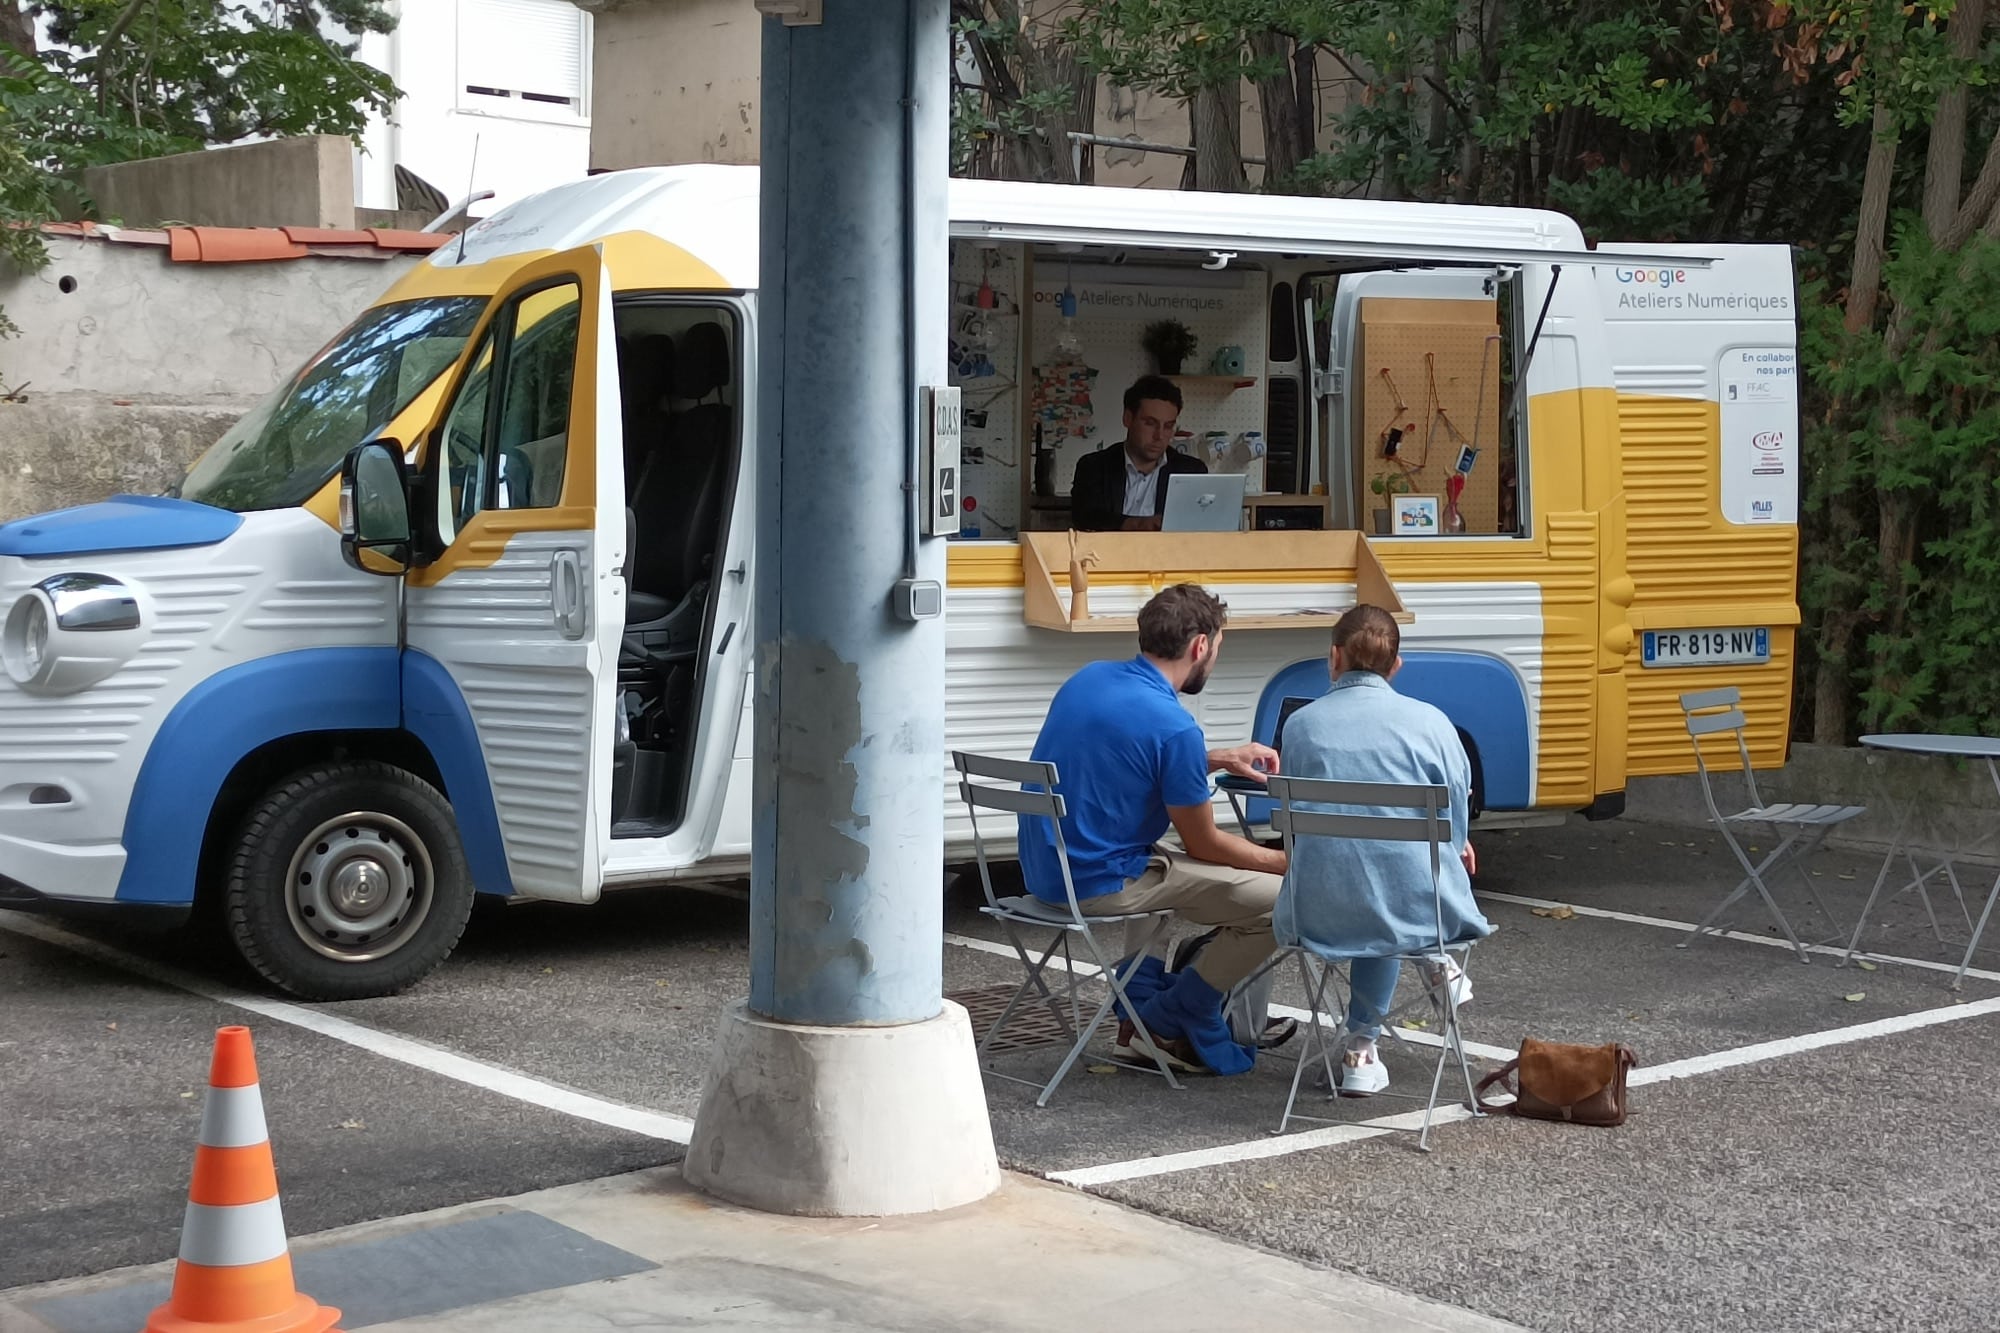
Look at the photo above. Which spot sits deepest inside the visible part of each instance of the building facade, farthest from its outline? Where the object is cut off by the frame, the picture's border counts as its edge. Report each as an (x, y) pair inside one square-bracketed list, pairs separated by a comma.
[(496, 96)]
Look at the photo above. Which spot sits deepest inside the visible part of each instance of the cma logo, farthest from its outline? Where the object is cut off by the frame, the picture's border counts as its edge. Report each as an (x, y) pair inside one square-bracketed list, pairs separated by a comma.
[(1768, 439), (1651, 277)]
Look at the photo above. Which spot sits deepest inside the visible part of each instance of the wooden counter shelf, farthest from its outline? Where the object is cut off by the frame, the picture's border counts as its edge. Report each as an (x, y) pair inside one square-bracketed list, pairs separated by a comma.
[(1216, 381), (1129, 562)]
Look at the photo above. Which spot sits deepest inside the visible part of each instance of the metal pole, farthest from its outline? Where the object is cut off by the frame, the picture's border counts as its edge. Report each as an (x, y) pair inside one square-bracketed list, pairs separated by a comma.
[(846, 1086), (846, 908)]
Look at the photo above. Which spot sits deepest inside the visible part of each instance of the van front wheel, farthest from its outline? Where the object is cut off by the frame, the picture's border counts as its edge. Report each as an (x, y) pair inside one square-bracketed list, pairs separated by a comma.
[(348, 881)]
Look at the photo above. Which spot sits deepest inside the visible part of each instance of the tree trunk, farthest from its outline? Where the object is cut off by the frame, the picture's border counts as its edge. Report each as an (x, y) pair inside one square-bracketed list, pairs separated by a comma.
[(1864, 287), (1055, 66), (17, 29), (1472, 161), (1944, 168), (1285, 135), (1440, 123), (1305, 88), (1218, 141), (1979, 200), (1831, 678), (1194, 143)]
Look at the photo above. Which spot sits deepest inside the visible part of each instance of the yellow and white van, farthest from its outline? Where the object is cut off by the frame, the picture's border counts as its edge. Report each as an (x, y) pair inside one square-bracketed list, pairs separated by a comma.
[(221, 693)]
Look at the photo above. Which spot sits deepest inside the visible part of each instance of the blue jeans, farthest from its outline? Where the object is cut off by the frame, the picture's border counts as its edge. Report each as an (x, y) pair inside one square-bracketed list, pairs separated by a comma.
[(1371, 990)]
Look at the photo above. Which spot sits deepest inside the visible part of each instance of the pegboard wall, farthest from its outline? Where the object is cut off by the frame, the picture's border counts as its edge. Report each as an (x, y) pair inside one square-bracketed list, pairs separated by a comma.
[(988, 372), (1430, 369), (1113, 310)]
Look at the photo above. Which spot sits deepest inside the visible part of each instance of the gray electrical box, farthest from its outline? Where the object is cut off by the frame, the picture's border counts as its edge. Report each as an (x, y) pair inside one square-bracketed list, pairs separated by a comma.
[(943, 425)]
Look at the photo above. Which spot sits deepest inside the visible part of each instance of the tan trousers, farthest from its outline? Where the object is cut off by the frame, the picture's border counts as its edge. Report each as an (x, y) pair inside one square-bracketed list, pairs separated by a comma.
[(1239, 901)]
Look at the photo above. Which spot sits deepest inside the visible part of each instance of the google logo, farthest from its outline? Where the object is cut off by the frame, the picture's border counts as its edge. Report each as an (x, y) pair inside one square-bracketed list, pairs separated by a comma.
[(1651, 277)]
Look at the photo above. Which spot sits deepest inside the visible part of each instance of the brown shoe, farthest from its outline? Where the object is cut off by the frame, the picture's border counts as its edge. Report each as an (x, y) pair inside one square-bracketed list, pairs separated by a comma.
[(1178, 1053)]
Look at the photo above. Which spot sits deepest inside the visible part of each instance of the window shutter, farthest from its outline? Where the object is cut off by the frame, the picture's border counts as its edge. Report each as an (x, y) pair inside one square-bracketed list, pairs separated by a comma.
[(529, 49)]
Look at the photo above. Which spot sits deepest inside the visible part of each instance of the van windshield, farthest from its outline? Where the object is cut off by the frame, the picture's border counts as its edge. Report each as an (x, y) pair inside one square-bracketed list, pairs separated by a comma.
[(287, 446)]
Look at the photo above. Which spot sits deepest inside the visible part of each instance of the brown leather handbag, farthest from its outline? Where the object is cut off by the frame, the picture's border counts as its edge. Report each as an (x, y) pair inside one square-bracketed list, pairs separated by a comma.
[(1583, 1085)]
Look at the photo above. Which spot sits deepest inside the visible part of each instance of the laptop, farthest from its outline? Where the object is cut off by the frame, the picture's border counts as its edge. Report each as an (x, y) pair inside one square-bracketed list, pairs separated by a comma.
[(1291, 704), (1203, 502)]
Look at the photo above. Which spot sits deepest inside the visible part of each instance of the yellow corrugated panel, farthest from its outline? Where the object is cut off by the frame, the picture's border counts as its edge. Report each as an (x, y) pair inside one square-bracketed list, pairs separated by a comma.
[(1692, 569), (1566, 752)]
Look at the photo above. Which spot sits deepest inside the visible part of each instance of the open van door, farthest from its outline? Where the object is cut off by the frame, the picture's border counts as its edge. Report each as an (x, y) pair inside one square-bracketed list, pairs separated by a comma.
[(514, 624)]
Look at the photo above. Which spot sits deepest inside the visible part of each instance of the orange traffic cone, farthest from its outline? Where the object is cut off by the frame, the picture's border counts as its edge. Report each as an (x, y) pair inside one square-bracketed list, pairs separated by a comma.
[(235, 1270)]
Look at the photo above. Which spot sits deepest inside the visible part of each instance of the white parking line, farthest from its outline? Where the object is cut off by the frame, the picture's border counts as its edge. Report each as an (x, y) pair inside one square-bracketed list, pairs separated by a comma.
[(1770, 941), (1810, 1041), (390, 1046), (1415, 1036), (1280, 1146), (1254, 1149)]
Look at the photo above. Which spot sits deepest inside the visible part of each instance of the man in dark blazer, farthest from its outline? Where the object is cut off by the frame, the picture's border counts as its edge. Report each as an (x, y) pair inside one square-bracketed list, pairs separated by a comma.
[(1125, 486)]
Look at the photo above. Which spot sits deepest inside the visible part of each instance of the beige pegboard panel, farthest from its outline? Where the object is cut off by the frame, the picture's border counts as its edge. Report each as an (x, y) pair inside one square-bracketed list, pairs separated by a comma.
[(1112, 315), (996, 483), (1439, 355)]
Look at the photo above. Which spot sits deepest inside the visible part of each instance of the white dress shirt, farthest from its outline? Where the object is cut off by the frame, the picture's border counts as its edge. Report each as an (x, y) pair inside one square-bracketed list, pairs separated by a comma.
[(1140, 487)]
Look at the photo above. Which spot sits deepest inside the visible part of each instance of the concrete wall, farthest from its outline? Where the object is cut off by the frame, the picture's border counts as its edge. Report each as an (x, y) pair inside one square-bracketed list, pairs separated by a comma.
[(301, 182), (676, 81), (143, 363), (521, 147)]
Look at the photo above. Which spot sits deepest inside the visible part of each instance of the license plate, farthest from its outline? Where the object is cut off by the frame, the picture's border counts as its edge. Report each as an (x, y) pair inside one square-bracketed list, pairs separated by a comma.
[(1705, 647)]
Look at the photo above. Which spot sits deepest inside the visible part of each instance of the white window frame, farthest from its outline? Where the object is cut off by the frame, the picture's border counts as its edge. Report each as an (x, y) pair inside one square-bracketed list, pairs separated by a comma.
[(513, 104)]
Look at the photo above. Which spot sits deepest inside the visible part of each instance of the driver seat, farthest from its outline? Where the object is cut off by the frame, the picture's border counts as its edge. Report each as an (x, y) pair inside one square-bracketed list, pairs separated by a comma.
[(677, 502)]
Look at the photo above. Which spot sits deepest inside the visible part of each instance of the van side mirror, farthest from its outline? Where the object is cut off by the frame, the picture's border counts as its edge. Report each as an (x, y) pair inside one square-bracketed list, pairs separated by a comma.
[(375, 508)]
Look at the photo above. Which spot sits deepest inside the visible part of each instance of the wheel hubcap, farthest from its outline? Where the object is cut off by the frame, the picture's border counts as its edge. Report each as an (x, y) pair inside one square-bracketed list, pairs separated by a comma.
[(359, 886)]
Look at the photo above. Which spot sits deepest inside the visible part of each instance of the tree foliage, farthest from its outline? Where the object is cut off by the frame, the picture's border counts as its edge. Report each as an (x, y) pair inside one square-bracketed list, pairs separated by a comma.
[(120, 80), (1866, 133), (215, 71)]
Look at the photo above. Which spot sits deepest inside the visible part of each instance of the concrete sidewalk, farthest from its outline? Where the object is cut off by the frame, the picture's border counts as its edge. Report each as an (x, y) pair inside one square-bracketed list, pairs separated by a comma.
[(643, 1251)]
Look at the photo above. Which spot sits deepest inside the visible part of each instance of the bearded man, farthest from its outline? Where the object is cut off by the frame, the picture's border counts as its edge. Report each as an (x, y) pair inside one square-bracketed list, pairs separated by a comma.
[(1131, 762)]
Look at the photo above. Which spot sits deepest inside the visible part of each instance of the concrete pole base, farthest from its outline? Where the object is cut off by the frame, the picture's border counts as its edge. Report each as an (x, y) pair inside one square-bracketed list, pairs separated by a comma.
[(846, 1121)]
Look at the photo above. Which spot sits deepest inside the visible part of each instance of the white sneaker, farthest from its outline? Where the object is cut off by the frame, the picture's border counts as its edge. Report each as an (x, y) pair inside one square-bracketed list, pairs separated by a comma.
[(1438, 971), (1362, 1074)]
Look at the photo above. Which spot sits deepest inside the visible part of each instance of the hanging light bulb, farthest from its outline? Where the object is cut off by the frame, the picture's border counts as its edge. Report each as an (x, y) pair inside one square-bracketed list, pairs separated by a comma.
[(1069, 347)]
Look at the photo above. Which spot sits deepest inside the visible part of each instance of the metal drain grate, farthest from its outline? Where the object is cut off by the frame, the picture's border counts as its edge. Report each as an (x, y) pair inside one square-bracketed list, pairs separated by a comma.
[(1034, 1023)]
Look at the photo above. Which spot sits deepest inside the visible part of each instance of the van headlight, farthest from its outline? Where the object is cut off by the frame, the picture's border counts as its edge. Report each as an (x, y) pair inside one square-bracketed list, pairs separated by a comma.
[(25, 641), (69, 632)]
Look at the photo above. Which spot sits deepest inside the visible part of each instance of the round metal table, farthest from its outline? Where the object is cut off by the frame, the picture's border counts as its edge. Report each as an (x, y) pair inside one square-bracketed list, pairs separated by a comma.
[(1982, 748)]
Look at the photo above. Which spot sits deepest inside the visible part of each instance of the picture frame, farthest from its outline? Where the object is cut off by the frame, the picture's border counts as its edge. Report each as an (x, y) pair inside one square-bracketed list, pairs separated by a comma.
[(1415, 516)]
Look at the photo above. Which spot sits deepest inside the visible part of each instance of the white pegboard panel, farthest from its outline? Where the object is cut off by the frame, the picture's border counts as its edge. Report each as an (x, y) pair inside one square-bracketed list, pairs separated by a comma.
[(1113, 309), (991, 386)]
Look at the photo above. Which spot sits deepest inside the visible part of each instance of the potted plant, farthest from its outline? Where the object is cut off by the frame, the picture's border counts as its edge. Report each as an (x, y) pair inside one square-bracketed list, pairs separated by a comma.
[(1169, 342), (1385, 485)]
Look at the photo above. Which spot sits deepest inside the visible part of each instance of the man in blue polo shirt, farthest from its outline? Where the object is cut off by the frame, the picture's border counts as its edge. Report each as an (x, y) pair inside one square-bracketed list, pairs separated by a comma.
[(1132, 762)]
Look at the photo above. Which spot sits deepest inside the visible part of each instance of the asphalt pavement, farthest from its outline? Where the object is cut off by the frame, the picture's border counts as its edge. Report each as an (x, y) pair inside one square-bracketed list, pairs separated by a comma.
[(1802, 1155)]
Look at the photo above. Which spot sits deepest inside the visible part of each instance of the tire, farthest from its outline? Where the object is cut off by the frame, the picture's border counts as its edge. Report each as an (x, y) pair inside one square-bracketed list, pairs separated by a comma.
[(347, 881)]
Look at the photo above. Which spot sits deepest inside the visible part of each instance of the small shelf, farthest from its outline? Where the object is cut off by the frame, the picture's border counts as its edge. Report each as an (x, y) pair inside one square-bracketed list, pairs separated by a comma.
[(1216, 381), (1128, 566)]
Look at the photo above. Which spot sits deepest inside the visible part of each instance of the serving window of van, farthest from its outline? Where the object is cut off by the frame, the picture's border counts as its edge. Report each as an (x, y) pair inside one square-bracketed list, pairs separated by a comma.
[(1379, 401)]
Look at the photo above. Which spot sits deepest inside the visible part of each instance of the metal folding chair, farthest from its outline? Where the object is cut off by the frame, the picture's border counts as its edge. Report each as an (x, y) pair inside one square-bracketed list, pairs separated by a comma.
[(1796, 829), (1429, 822), (1032, 792)]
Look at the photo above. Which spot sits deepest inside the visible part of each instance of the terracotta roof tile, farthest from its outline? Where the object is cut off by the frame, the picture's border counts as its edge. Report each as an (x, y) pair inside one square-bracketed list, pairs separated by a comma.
[(231, 245), (327, 236), (422, 241), (237, 245)]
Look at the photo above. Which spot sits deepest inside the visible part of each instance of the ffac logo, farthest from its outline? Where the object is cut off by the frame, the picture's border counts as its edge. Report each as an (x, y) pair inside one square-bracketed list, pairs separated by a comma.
[(1651, 277)]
